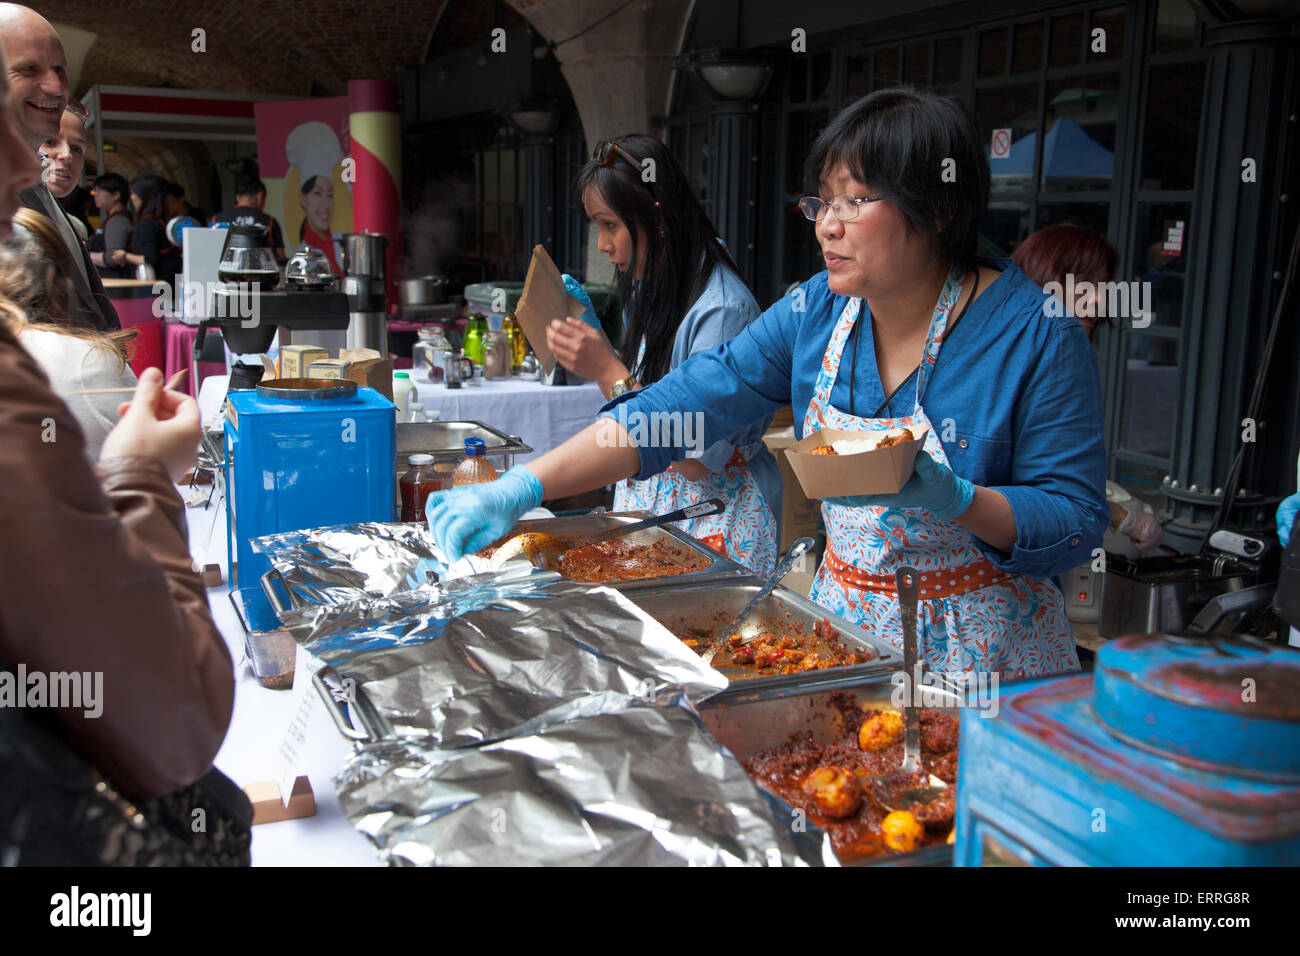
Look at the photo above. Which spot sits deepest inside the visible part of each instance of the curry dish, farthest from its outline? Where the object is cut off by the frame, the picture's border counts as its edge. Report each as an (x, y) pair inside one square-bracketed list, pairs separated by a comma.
[(831, 783), (781, 647), (620, 560)]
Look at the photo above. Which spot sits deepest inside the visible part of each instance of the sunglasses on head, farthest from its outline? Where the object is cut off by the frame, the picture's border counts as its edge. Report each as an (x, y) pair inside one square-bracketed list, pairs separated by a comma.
[(606, 151)]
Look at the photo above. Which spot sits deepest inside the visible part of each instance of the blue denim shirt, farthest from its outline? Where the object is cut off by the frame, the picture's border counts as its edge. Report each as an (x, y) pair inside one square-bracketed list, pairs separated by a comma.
[(1014, 398)]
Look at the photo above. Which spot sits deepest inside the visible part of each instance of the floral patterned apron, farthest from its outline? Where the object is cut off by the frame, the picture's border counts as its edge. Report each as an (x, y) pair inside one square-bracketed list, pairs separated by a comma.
[(745, 531), (972, 616)]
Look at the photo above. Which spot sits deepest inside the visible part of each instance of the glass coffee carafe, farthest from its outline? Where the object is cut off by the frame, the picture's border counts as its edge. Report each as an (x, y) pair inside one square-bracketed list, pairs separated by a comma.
[(247, 257)]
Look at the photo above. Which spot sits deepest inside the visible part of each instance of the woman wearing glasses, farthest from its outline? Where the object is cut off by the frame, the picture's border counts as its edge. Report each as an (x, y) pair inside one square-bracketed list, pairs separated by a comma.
[(905, 327), (683, 295)]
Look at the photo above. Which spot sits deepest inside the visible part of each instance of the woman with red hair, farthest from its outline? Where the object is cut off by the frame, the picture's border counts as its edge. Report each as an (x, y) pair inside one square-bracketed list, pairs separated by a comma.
[(1050, 255)]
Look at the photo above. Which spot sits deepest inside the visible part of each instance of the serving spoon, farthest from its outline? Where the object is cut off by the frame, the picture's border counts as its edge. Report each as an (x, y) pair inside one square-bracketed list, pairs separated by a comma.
[(545, 550), (883, 787), (797, 551)]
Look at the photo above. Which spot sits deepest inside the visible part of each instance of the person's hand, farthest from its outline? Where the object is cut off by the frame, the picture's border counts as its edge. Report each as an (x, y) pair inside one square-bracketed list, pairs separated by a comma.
[(469, 518), (932, 486), (1286, 513), (575, 289), (692, 469), (119, 257), (157, 423), (582, 349), (1142, 528), (97, 258)]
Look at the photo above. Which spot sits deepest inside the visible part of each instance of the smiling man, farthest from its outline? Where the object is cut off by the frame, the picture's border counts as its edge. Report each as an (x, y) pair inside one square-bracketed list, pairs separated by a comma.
[(38, 93)]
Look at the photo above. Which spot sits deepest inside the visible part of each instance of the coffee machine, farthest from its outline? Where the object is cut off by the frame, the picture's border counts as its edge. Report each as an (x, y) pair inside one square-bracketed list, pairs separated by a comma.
[(365, 285)]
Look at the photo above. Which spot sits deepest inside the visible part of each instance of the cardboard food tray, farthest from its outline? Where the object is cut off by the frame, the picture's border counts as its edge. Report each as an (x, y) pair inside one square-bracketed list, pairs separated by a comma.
[(883, 471), (544, 299)]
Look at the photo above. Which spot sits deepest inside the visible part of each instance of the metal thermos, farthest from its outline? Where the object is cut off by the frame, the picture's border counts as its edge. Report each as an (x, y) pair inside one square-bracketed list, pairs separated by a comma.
[(365, 284)]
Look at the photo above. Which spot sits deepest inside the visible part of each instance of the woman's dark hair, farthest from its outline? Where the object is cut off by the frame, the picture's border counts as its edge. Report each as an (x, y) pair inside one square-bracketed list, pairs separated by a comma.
[(682, 247), (113, 183), (1053, 252), (150, 190), (922, 152)]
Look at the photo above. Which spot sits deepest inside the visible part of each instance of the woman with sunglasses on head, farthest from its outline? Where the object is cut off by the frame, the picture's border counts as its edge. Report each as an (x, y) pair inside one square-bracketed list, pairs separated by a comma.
[(905, 328), (682, 295)]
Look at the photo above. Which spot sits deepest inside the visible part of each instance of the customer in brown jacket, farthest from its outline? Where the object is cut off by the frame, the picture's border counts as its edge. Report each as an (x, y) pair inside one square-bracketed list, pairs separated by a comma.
[(95, 573)]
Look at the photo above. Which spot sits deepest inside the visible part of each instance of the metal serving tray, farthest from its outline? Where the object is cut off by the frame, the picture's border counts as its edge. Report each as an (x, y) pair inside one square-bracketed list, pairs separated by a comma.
[(711, 606), (748, 725), (719, 568), (445, 441)]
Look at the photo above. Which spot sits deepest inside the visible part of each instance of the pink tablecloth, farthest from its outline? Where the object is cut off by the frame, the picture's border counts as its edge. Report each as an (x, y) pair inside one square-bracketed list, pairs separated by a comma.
[(179, 343), (137, 313)]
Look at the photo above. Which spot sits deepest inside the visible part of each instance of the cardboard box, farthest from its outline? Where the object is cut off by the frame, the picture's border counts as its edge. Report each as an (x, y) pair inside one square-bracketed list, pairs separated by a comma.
[(371, 369), (800, 515), (883, 471), (294, 359), (329, 368)]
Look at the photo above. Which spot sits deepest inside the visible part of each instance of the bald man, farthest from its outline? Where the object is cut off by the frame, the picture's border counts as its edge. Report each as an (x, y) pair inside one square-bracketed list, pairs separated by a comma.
[(38, 94)]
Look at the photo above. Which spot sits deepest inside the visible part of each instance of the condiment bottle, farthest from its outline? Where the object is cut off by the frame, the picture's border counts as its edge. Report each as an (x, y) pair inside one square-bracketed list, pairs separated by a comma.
[(475, 336), (474, 468), (404, 392), (417, 484), (517, 340), (497, 357)]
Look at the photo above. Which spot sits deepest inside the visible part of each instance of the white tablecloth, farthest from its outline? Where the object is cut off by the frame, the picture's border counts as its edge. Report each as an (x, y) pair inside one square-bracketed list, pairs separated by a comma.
[(542, 415)]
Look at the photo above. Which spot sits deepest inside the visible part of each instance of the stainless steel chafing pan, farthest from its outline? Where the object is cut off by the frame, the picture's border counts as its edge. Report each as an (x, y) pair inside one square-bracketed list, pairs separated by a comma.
[(708, 606), (749, 725), (718, 566)]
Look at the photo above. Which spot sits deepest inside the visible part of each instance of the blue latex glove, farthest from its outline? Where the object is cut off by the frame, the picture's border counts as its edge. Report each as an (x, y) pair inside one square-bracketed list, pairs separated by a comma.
[(932, 486), (1286, 513), (466, 519), (575, 289)]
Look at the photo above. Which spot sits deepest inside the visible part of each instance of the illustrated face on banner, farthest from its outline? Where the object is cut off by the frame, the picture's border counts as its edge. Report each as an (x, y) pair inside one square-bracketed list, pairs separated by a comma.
[(314, 154), (317, 196)]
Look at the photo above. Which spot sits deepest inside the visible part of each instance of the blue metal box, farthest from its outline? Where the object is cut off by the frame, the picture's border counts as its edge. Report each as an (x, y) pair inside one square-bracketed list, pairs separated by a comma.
[(1167, 759), (304, 462)]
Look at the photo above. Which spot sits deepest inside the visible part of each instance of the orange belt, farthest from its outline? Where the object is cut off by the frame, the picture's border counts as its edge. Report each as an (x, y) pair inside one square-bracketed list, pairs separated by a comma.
[(942, 582)]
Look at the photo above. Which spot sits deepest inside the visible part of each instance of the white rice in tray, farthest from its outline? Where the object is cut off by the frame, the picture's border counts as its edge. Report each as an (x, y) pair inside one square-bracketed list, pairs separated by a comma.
[(853, 446)]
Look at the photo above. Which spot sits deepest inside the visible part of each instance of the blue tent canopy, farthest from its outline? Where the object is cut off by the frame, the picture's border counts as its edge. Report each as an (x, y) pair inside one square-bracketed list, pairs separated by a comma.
[(1068, 153)]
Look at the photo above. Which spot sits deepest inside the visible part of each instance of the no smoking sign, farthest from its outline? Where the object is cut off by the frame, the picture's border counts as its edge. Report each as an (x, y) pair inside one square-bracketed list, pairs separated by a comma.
[(1001, 144)]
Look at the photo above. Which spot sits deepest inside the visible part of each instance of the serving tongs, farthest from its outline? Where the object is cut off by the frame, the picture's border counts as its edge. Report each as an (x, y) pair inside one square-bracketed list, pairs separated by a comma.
[(797, 551), (545, 550), (884, 787)]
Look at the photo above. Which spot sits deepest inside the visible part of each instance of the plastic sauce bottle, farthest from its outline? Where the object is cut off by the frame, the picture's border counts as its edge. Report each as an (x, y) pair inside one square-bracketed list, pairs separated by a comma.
[(474, 468), (404, 392), (417, 484)]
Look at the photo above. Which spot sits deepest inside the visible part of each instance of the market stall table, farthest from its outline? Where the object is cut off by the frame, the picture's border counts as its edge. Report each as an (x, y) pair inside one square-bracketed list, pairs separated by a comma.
[(544, 416), (260, 717)]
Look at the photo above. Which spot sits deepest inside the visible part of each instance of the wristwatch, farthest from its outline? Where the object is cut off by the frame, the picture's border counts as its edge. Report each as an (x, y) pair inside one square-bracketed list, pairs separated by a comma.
[(623, 385)]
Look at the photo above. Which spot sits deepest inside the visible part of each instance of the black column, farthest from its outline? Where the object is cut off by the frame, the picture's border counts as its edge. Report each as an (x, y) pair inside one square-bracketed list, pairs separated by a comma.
[(733, 181), (1239, 240), (538, 154)]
